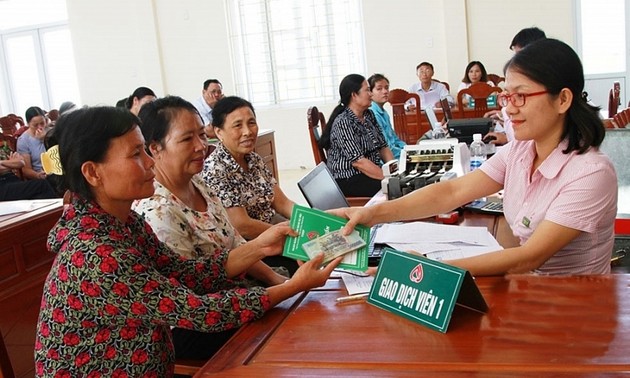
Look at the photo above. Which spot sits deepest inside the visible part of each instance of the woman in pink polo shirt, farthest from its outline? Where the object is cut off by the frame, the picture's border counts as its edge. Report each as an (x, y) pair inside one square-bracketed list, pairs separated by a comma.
[(560, 190)]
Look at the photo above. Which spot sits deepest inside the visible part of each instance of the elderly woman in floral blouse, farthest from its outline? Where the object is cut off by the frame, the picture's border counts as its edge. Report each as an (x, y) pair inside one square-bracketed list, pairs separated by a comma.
[(114, 289), (182, 212), (238, 175)]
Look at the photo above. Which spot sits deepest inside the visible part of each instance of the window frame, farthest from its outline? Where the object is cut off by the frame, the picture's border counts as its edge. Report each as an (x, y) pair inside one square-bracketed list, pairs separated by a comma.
[(327, 83)]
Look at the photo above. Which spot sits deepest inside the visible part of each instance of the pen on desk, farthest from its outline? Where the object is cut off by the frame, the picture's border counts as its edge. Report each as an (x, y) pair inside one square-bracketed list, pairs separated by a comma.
[(352, 297)]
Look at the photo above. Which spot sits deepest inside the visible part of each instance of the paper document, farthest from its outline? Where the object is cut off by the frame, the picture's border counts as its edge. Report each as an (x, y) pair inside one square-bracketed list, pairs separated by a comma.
[(437, 241), (12, 207), (357, 284)]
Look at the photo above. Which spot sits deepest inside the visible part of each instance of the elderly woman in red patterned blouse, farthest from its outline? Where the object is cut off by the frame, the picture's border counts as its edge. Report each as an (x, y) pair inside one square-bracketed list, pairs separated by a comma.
[(114, 289)]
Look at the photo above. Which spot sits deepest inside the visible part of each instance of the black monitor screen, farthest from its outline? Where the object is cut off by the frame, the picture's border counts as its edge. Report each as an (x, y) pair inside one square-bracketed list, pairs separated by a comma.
[(321, 190), (463, 129)]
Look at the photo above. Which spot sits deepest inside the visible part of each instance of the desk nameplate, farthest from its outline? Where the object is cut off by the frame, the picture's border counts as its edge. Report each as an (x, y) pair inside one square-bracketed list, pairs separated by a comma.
[(422, 290)]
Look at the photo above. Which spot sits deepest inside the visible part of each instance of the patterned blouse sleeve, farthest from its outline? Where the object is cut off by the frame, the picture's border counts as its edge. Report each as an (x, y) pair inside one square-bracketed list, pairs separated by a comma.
[(380, 138), (130, 288), (343, 137)]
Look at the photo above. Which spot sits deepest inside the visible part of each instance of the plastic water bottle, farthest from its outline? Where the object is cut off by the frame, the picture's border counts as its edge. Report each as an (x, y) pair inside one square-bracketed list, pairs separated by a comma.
[(477, 152)]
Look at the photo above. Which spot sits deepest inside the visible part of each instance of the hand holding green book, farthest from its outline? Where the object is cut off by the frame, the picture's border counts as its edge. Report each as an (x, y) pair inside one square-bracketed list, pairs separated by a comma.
[(312, 224)]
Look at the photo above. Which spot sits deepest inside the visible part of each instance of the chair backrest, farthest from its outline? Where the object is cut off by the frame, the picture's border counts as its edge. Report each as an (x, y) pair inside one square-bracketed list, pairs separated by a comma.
[(53, 115), (613, 99), (621, 119), (397, 99), (11, 123), (479, 92), (496, 79), (447, 85), (316, 124)]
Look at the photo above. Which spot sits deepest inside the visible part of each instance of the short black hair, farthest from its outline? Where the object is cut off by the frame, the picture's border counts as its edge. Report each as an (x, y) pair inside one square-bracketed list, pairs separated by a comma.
[(372, 80), (226, 106), (527, 36), (157, 116), (425, 64), (211, 81), (85, 135)]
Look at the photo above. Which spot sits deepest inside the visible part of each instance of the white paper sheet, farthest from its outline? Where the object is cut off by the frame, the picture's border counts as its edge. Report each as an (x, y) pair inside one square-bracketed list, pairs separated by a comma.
[(13, 207), (357, 284)]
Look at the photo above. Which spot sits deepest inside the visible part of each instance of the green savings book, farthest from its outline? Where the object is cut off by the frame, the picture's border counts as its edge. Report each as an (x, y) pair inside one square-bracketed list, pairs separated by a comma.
[(312, 223)]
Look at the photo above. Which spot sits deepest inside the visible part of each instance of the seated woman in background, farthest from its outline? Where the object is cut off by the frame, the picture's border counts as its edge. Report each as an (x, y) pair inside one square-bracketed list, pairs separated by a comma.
[(114, 289), (31, 143), (379, 85), (12, 188), (475, 73), (356, 147), (560, 190), (183, 212), (139, 97)]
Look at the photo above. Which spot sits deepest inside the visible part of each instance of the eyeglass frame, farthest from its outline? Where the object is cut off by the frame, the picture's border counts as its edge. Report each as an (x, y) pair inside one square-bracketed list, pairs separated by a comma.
[(509, 98)]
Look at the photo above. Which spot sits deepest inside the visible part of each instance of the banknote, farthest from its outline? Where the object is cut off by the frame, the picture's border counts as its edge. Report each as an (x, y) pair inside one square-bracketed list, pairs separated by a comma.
[(333, 245)]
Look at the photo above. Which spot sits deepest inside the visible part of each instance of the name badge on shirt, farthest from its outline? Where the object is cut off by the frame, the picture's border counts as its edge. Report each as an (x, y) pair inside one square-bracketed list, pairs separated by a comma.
[(525, 222)]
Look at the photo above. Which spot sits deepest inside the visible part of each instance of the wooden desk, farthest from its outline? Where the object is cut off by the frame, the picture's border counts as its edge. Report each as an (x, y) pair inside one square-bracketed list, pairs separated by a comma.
[(266, 148), (24, 260), (24, 264), (414, 131), (536, 326)]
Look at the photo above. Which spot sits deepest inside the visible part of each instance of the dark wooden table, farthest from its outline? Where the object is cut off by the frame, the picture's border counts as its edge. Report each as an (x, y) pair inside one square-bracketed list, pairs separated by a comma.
[(537, 325)]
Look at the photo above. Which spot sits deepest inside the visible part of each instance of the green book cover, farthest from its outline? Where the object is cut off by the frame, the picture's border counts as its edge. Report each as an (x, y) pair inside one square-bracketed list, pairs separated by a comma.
[(312, 223)]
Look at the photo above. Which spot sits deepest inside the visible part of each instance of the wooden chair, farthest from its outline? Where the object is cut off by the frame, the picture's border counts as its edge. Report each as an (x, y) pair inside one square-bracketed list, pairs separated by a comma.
[(397, 99), (316, 124), (53, 115), (613, 99), (11, 123), (316, 120), (496, 79), (621, 119), (6, 369), (447, 85), (479, 92)]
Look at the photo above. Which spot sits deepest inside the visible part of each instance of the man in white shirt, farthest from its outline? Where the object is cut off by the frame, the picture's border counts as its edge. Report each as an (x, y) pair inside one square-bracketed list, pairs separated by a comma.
[(212, 92), (429, 90)]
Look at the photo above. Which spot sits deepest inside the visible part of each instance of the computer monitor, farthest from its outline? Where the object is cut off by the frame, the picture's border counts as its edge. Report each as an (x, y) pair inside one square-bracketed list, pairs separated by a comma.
[(321, 190), (463, 129)]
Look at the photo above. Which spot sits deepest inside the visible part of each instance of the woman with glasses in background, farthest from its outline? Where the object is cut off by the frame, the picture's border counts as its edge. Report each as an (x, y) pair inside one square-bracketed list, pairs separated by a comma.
[(560, 190)]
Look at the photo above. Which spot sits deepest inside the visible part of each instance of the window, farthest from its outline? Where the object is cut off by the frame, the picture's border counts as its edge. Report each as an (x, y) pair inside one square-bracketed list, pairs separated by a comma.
[(36, 61), (294, 51), (603, 36)]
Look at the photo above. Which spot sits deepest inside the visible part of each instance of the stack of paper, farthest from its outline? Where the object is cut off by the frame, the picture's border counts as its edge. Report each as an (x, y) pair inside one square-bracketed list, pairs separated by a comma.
[(437, 241)]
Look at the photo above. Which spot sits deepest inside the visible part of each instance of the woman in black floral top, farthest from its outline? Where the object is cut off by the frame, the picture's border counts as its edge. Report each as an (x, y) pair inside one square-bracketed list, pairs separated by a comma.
[(114, 289), (238, 175)]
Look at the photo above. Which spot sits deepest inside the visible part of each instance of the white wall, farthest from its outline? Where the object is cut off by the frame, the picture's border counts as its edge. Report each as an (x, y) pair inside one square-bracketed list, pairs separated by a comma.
[(173, 46)]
